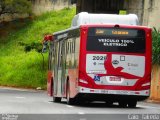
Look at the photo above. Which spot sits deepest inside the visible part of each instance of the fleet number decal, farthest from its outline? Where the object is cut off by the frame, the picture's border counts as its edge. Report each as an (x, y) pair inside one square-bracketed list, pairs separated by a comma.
[(95, 63), (99, 58)]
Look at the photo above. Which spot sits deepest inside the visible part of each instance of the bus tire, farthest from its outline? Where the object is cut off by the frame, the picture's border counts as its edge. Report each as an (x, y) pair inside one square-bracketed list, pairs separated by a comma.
[(56, 99), (109, 103), (122, 104), (70, 101), (132, 104)]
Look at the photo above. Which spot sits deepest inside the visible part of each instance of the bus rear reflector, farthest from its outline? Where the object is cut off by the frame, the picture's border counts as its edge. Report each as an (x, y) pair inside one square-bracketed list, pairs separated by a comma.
[(147, 92), (82, 89)]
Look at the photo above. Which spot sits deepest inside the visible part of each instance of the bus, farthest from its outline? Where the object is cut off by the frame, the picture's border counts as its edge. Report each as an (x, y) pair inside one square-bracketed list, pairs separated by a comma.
[(100, 58)]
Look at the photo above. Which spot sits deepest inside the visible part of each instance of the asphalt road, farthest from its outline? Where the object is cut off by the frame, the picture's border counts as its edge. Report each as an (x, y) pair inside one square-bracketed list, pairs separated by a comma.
[(30, 103)]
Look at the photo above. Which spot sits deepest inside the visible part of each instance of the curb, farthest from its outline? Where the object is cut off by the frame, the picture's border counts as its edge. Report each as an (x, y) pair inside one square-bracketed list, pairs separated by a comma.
[(19, 89)]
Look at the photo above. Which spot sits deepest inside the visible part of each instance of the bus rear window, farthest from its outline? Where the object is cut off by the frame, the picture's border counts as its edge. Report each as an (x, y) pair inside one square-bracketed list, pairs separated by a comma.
[(116, 40)]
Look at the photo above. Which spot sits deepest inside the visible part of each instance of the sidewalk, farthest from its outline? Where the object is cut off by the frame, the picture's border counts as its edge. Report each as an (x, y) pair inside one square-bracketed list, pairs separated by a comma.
[(156, 101)]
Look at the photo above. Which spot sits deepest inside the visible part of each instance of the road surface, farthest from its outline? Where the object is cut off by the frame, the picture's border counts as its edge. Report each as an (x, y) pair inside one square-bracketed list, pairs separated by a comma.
[(25, 102)]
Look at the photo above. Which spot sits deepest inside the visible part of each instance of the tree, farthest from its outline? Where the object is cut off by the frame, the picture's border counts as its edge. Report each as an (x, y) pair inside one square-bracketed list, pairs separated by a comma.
[(15, 6)]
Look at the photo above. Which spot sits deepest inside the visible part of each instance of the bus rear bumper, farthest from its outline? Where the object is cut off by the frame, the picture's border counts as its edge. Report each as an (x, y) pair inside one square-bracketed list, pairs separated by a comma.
[(111, 95), (114, 92)]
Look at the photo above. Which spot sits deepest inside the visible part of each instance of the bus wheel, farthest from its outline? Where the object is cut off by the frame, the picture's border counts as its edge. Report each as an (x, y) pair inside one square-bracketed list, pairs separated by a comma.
[(70, 101), (132, 104), (109, 103), (56, 99), (122, 104)]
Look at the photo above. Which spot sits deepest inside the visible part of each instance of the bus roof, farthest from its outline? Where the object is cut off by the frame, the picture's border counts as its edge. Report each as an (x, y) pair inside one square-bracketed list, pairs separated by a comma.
[(84, 18)]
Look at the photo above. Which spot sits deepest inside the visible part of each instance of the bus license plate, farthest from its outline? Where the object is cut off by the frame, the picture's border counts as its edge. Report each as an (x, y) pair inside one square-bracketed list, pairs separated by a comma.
[(114, 79)]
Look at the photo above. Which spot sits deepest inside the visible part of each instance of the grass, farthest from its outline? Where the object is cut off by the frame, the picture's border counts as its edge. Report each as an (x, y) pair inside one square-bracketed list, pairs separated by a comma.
[(24, 69)]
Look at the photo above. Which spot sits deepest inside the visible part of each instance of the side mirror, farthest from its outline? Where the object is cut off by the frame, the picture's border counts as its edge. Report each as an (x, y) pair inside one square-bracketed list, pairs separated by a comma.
[(45, 46)]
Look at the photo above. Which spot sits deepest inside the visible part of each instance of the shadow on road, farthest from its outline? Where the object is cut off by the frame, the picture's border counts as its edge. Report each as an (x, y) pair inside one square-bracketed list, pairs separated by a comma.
[(96, 104)]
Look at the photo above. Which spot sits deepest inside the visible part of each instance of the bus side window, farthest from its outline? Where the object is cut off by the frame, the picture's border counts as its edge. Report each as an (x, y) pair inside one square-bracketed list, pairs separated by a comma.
[(57, 53), (77, 47), (49, 60), (67, 54), (53, 58), (60, 55), (70, 53), (73, 52)]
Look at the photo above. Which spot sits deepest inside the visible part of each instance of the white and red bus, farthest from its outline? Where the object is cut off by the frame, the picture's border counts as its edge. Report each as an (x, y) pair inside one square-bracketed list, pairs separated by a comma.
[(101, 62)]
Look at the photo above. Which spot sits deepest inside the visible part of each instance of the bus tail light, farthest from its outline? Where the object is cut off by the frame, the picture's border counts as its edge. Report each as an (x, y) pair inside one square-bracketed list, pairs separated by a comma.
[(83, 81)]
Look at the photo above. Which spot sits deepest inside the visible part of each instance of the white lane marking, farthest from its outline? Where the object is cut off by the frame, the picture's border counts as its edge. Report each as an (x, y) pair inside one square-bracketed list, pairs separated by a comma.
[(148, 107), (81, 113), (83, 119), (18, 97), (69, 106), (48, 102)]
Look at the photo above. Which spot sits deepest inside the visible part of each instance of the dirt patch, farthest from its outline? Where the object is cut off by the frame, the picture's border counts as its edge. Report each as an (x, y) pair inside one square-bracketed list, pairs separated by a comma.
[(7, 27)]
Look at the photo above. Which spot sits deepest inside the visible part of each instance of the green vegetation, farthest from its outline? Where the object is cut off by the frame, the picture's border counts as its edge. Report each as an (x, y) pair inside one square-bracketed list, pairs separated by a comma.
[(25, 69), (156, 46)]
